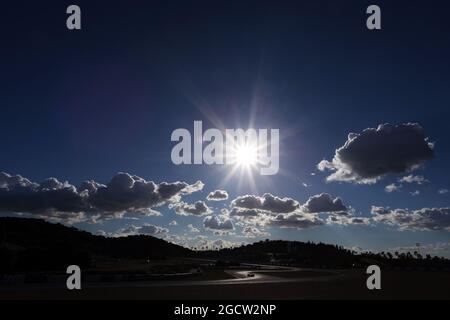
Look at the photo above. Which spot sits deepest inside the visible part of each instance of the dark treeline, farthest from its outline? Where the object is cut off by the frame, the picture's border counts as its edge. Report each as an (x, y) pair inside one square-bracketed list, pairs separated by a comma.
[(32, 244), (321, 255), (36, 245)]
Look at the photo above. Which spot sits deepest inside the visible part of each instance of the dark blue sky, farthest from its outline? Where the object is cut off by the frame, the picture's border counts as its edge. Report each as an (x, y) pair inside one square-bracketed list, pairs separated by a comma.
[(81, 105)]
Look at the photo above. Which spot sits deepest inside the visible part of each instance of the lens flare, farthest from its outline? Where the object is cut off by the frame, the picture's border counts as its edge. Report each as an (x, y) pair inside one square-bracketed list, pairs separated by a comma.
[(246, 155)]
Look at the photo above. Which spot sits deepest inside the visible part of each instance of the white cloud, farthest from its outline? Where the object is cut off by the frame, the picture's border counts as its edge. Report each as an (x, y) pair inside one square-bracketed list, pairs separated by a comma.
[(91, 201), (215, 222), (193, 229), (392, 187), (145, 229), (267, 202), (421, 219), (217, 195), (324, 203), (388, 149), (199, 208), (296, 220), (253, 232), (345, 220), (413, 179)]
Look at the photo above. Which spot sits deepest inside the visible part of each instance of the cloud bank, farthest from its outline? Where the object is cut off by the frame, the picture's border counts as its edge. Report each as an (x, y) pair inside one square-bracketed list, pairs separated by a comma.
[(425, 219), (53, 199)]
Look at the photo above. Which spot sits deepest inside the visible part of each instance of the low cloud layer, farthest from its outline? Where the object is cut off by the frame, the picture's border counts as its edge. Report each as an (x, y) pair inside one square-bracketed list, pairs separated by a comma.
[(430, 219), (389, 149), (347, 220), (124, 193), (273, 211), (146, 229)]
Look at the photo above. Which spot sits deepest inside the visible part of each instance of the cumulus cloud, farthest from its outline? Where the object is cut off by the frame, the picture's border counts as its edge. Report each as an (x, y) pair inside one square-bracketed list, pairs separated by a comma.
[(389, 149), (146, 229), (217, 195), (249, 216), (443, 191), (324, 203), (198, 208), (413, 179), (153, 230), (392, 187), (102, 233), (253, 232), (296, 220), (345, 220), (215, 222), (18, 194), (404, 180), (173, 223), (203, 243), (421, 219), (260, 212), (193, 229), (379, 210), (267, 202), (191, 188), (53, 199), (246, 213)]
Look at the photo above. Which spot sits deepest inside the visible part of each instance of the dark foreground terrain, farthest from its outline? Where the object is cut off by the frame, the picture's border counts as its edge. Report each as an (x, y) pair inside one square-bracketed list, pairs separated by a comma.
[(347, 285), (34, 256)]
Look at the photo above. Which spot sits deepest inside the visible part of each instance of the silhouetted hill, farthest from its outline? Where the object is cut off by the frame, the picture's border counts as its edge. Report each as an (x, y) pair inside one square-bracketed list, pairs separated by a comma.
[(33, 244), (321, 255), (36, 245), (288, 252)]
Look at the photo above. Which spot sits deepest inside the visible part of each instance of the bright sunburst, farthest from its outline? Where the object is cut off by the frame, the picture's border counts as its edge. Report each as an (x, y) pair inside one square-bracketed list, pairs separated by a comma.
[(246, 155)]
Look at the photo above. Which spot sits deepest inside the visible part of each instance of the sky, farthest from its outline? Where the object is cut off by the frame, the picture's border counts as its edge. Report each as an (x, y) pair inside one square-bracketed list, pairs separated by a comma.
[(362, 115)]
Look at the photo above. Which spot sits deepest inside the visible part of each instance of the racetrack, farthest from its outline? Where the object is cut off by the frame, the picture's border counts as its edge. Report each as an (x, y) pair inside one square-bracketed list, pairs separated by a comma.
[(266, 284)]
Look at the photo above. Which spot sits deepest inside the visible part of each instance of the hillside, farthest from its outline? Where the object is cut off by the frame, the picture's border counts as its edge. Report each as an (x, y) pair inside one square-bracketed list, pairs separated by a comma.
[(32, 244), (289, 252), (36, 245), (321, 255)]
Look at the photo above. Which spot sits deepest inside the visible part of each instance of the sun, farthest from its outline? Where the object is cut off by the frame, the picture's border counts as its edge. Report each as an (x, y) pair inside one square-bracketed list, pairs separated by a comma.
[(246, 155)]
